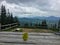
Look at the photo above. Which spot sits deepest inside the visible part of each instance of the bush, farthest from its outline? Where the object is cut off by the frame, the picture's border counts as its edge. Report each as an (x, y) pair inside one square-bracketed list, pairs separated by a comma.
[(21, 30), (25, 36)]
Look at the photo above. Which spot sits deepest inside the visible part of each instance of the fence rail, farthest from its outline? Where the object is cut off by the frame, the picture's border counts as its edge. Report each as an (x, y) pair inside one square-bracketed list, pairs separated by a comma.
[(8, 26)]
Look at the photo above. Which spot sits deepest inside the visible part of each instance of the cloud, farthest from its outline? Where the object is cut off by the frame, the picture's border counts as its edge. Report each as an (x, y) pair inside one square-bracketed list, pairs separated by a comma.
[(55, 5), (26, 8)]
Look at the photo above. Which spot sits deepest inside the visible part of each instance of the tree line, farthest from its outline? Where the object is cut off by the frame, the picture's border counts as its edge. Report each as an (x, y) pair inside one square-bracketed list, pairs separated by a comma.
[(43, 25), (6, 17)]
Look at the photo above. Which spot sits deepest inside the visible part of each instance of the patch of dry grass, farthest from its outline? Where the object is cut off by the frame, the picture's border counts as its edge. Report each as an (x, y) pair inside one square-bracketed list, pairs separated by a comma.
[(37, 30)]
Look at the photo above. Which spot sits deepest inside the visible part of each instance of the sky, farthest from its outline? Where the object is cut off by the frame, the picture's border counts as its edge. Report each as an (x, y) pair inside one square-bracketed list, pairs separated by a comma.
[(33, 8)]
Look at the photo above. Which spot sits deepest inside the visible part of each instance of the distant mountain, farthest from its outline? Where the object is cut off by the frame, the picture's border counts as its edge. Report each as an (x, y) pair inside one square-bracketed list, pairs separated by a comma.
[(52, 18), (47, 18), (40, 18), (37, 20)]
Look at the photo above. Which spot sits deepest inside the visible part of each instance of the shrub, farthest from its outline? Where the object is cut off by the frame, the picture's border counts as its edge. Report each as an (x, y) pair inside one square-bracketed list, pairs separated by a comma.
[(25, 36), (21, 30)]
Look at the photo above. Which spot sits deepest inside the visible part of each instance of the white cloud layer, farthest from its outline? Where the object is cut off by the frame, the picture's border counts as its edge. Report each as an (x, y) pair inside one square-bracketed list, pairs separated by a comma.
[(31, 8)]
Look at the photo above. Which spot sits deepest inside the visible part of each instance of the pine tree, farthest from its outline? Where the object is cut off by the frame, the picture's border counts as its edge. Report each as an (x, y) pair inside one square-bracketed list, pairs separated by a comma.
[(26, 25), (8, 17), (3, 15), (54, 27), (12, 18), (16, 20), (59, 25), (44, 24)]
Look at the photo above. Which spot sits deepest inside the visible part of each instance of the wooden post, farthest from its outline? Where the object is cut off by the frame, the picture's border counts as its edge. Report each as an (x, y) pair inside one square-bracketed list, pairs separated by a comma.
[(0, 26)]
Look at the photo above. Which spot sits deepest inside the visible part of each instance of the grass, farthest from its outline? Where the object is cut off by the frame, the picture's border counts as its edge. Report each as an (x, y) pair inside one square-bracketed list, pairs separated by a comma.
[(30, 30), (37, 30)]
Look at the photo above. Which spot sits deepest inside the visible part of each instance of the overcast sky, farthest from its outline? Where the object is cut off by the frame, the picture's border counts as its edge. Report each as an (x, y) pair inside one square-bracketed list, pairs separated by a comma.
[(30, 8)]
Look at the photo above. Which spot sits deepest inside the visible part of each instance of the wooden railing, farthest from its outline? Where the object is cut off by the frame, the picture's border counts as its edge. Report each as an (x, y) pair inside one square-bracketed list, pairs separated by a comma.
[(8, 26)]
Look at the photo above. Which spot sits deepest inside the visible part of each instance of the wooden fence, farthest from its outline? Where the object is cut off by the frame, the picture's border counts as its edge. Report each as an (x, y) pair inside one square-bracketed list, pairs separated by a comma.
[(8, 26)]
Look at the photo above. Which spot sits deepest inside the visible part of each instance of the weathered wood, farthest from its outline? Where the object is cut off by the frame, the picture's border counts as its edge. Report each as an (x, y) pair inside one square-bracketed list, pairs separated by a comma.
[(15, 38), (8, 26)]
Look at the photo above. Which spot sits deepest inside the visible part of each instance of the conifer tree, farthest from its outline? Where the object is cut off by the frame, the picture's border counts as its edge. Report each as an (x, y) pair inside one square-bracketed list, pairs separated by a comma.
[(3, 15), (12, 18), (8, 17), (59, 25), (44, 24)]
